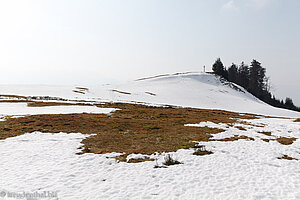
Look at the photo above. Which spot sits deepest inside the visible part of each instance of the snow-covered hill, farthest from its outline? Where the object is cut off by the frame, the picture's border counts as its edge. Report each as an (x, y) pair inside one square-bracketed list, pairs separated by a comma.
[(198, 90), (249, 159)]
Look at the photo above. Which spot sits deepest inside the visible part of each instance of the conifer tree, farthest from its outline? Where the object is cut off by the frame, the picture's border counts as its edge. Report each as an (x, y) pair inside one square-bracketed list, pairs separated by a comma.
[(243, 75), (218, 67), (233, 73)]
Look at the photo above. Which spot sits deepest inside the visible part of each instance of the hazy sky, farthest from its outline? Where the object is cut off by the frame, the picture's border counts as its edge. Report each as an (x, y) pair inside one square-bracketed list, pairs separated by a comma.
[(98, 41)]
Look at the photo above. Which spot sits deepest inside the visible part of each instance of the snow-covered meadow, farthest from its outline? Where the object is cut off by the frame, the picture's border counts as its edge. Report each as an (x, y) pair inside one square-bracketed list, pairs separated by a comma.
[(236, 170), (239, 169)]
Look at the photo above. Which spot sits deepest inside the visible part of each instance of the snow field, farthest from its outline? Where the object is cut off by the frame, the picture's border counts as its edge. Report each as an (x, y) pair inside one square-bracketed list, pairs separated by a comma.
[(237, 170), (19, 109)]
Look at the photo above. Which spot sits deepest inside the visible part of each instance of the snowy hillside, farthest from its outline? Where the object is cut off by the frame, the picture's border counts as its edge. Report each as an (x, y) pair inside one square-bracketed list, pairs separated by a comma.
[(58, 142), (198, 90)]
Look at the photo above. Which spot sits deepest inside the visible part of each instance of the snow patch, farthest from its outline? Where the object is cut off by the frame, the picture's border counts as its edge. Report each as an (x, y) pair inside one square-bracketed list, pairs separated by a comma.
[(17, 109)]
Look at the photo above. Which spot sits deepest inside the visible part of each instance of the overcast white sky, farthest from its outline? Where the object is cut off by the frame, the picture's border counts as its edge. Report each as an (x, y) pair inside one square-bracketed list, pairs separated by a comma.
[(92, 42)]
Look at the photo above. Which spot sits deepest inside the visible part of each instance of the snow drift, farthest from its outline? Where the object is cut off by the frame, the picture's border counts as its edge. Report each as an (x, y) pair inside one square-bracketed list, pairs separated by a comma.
[(198, 90)]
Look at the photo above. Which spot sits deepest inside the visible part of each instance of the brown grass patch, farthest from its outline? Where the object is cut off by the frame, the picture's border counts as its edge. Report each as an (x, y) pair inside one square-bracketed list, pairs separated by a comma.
[(13, 96), (266, 133), (235, 137), (132, 129), (169, 160), (286, 141), (77, 91), (43, 104), (121, 92), (139, 160), (123, 158), (297, 120), (286, 157), (200, 152), (150, 93), (14, 101), (266, 140), (241, 128)]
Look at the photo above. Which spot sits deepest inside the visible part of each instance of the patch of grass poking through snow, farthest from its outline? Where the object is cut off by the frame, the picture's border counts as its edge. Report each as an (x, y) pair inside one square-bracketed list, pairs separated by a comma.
[(286, 157), (282, 140), (266, 133), (122, 92), (286, 141), (234, 138), (137, 129), (170, 161), (201, 150), (297, 120), (241, 128)]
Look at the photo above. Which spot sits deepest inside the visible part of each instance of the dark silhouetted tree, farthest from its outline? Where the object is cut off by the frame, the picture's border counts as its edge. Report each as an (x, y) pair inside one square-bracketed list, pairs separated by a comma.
[(254, 80), (243, 76), (233, 73), (257, 79), (289, 103), (218, 67)]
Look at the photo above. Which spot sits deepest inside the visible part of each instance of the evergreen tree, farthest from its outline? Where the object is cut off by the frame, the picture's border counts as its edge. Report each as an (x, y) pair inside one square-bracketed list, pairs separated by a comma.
[(257, 79), (233, 73), (254, 80), (243, 76), (218, 68), (289, 103)]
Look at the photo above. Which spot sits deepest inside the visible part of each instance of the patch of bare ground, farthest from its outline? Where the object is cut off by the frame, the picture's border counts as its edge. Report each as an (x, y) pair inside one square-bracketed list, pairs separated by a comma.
[(286, 141), (14, 101), (265, 133), (266, 140), (234, 138), (297, 120), (241, 128), (150, 93), (282, 140), (169, 160), (121, 92), (77, 91), (286, 157), (132, 129), (123, 158), (13, 96), (201, 150), (43, 104)]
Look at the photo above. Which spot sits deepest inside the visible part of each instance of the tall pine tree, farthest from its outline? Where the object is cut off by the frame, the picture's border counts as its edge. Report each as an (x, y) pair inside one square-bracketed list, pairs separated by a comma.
[(243, 75), (257, 77), (233, 73), (218, 67)]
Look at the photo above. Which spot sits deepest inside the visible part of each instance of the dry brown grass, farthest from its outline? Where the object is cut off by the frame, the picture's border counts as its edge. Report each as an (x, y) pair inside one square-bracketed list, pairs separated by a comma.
[(150, 93), (43, 104), (266, 140), (139, 160), (266, 133), (241, 128), (13, 96), (132, 129), (235, 137), (199, 152), (297, 120), (15, 101), (123, 158), (121, 92), (286, 141), (281, 140), (286, 157)]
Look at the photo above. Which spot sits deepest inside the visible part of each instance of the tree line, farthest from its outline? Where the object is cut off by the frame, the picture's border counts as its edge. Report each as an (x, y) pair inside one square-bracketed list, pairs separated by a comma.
[(253, 78)]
